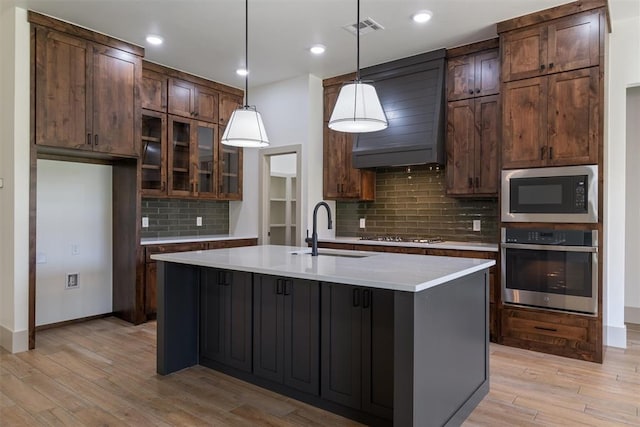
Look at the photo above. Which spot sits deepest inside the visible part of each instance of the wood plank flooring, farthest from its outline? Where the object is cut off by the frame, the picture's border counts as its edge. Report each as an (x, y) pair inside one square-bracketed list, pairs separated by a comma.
[(102, 372)]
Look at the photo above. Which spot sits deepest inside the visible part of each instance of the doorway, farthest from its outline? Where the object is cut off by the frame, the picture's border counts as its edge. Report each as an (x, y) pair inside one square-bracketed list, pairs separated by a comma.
[(280, 196)]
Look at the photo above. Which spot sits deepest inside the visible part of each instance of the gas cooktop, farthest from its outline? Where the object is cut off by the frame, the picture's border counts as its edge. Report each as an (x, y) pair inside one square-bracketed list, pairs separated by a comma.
[(403, 239)]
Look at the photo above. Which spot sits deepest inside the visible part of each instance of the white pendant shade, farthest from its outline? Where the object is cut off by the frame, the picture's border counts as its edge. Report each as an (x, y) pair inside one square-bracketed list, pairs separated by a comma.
[(245, 129), (358, 109)]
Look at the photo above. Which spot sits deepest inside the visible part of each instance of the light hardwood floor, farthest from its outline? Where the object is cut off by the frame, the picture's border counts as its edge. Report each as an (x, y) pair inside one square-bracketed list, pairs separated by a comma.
[(102, 372)]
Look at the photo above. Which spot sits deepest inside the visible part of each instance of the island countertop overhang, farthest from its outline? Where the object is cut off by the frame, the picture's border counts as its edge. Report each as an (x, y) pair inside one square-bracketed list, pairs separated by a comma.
[(399, 272)]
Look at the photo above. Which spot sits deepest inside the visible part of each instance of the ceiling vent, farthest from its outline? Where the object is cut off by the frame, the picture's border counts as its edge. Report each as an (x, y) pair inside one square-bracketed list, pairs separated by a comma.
[(367, 25)]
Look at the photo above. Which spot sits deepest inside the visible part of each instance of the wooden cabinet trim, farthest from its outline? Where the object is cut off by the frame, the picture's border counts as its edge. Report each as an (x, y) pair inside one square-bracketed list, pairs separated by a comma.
[(552, 13)]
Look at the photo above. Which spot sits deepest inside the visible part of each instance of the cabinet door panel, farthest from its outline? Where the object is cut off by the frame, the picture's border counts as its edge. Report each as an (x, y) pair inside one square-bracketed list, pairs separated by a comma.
[(460, 77), (114, 101), (487, 125), (523, 53), (460, 143), (487, 73), (179, 156), (337, 162), (238, 288), (377, 351), (302, 335), (524, 135), (230, 167), (63, 94), (153, 153), (574, 42), (150, 286), (206, 104), (268, 328), (153, 91), (181, 98), (341, 345), (206, 158), (228, 103), (573, 117), (211, 315)]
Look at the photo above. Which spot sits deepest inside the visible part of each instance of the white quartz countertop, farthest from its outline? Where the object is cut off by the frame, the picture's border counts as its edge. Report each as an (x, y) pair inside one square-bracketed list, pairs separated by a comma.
[(188, 239), (401, 272), (460, 246)]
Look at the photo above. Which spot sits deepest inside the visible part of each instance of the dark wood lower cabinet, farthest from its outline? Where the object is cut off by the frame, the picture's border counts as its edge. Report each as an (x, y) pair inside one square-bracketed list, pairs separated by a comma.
[(286, 332), (225, 317), (357, 348)]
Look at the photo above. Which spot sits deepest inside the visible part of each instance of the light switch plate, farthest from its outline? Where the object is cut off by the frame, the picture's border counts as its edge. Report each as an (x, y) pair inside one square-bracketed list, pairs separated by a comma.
[(199, 221), (145, 222), (1, 182), (476, 225), (363, 222)]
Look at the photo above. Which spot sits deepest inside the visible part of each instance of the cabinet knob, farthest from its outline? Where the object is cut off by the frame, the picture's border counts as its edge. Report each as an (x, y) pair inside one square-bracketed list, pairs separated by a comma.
[(88, 139), (478, 90), (542, 67), (542, 150), (356, 297), (477, 182), (470, 182), (551, 65), (470, 91), (550, 153), (95, 139)]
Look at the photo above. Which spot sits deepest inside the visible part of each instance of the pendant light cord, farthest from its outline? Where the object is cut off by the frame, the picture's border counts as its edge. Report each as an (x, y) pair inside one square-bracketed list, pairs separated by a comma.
[(246, 52), (358, 42)]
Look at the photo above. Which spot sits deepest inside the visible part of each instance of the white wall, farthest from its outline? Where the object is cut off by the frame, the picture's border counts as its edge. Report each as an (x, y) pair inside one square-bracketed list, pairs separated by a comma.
[(632, 247), (74, 210), (14, 170), (292, 114), (623, 69)]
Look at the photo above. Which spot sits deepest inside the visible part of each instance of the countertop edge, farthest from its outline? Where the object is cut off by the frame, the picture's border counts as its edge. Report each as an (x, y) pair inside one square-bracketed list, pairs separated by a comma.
[(190, 239), (449, 245)]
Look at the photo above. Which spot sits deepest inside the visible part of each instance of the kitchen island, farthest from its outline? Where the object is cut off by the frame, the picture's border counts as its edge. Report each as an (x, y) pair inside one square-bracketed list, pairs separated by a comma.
[(379, 337)]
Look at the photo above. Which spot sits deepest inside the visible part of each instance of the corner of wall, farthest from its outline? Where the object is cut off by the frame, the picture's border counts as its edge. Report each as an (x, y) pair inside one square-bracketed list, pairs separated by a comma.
[(14, 342)]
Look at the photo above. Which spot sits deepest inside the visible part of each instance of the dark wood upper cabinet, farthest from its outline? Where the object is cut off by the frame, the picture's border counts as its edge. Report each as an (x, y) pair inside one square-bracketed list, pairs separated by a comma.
[(153, 91), (86, 95), (473, 121), (472, 146), (555, 46), (153, 155), (473, 75), (228, 103), (341, 181), (188, 99), (553, 120)]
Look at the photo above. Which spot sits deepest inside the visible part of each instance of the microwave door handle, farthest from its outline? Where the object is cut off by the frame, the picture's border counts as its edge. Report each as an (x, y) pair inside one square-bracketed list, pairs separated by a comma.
[(550, 247)]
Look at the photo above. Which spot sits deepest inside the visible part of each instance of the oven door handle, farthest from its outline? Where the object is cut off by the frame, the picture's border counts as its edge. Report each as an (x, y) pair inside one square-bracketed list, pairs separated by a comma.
[(550, 247)]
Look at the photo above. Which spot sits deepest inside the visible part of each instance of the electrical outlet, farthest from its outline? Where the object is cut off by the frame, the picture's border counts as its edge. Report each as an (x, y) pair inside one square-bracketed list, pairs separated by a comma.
[(74, 249), (363, 222), (145, 222), (476, 225), (199, 221), (72, 281), (1, 182)]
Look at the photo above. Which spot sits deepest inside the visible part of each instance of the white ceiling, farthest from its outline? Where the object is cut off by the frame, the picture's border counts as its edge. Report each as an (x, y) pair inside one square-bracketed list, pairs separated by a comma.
[(206, 37)]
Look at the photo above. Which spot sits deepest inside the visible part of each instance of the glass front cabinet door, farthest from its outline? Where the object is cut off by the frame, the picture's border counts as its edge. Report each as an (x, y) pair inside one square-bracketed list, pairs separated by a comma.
[(154, 171)]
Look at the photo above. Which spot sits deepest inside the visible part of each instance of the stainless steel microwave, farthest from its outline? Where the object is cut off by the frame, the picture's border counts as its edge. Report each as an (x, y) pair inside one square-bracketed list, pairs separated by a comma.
[(559, 194)]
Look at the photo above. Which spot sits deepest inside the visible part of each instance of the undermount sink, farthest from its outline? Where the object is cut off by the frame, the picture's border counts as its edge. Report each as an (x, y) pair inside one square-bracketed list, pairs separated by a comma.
[(334, 253)]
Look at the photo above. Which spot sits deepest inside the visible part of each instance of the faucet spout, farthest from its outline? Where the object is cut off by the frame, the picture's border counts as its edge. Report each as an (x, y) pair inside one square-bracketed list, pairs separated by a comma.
[(314, 236)]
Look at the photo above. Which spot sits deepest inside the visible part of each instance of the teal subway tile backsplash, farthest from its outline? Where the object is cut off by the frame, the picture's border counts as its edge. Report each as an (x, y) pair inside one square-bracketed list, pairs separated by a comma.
[(411, 202), (177, 217)]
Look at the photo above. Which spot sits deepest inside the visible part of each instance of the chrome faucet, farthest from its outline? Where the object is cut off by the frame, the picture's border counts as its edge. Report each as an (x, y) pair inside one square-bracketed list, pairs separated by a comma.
[(314, 236)]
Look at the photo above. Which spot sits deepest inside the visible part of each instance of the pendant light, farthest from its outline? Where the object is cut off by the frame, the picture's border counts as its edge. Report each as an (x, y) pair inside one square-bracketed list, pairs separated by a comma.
[(358, 108), (245, 127)]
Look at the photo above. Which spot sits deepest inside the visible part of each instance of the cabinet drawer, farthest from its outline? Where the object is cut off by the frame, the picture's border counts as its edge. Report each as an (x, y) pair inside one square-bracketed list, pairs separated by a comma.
[(542, 327), (173, 247), (232, 243)]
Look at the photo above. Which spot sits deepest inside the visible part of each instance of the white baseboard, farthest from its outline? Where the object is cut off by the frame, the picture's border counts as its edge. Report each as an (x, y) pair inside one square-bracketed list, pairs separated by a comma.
[(615, 336), (632, 315), (14, 342)]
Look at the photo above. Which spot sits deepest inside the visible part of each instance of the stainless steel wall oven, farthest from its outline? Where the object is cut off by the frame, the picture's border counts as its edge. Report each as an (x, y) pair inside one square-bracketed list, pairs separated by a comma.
[(555, 269)]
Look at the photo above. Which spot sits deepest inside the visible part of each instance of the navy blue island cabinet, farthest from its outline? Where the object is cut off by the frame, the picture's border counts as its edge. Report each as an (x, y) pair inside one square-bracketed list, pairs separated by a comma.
[(379, 356)]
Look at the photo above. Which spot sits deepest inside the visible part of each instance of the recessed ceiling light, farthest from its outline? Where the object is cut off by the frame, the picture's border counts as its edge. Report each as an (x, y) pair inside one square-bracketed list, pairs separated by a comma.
[(242, 72), (422, 16), (317, 49), (155, 40)]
